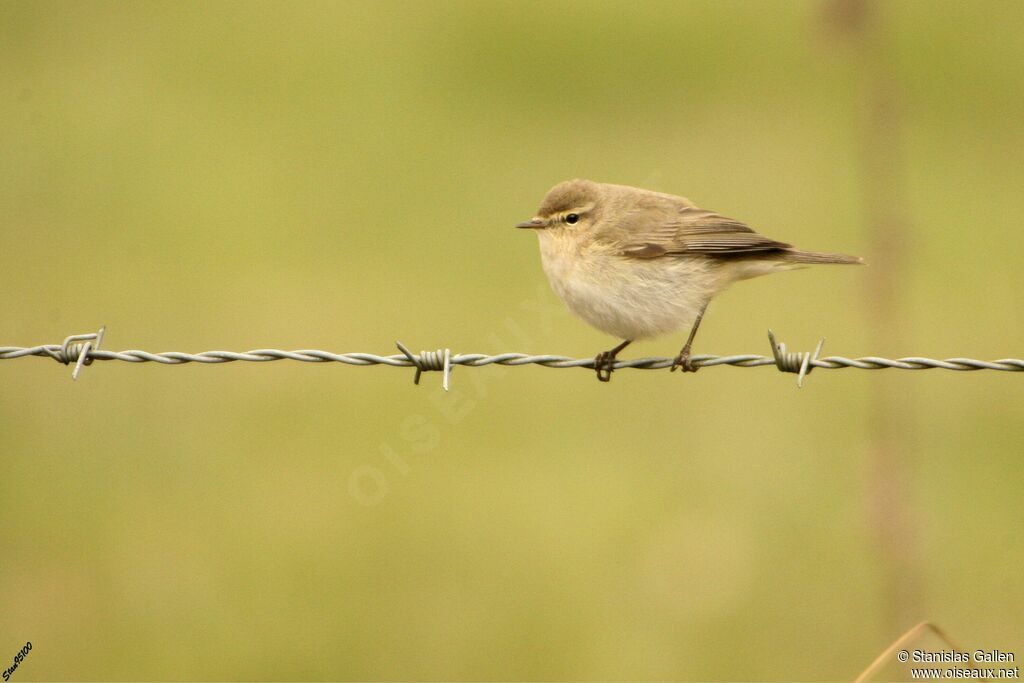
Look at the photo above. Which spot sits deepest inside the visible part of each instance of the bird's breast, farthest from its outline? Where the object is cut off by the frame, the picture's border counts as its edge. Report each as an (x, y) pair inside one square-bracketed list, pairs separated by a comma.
[(625, 297)]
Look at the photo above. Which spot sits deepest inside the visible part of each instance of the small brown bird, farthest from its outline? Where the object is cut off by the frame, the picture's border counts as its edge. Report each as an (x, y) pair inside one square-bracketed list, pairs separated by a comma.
[(636, 264)]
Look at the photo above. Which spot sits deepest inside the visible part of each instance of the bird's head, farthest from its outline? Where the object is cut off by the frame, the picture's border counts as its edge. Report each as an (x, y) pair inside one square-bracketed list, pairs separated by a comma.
[(568, 206)]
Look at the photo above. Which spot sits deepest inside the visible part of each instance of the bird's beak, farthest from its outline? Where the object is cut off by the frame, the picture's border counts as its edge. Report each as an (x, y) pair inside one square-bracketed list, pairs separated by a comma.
[(533, 224)]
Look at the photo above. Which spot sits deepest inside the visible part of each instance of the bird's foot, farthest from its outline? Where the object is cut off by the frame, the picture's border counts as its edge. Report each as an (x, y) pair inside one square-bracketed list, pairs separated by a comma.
[(684, 361), (604, 363)]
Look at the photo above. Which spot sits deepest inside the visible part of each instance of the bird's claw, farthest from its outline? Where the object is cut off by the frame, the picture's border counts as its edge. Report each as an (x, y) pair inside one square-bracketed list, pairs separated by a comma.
[(684, 361), (604, 363)]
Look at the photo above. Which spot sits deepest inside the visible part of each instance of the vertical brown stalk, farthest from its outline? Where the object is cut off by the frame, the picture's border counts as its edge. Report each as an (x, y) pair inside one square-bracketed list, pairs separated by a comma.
[(881, 166)]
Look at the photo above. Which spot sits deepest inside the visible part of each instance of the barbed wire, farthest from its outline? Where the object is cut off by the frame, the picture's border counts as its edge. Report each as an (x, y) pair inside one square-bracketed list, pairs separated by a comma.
[(83, 349)]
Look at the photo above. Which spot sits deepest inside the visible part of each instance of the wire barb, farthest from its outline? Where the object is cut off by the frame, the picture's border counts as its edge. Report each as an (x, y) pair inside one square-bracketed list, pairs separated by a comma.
[(74, 348), (429, 360), (800, 363)]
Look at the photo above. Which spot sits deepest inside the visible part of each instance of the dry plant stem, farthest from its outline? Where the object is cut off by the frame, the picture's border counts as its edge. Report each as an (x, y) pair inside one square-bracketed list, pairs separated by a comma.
[(889, 464), (901, 643)]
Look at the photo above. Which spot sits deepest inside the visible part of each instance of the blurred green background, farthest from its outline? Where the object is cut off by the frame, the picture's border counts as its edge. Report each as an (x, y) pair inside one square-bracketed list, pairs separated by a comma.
[(338, 176)]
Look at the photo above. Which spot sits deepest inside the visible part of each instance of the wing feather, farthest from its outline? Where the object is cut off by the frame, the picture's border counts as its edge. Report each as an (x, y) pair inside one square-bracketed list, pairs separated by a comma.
[(653, 231)]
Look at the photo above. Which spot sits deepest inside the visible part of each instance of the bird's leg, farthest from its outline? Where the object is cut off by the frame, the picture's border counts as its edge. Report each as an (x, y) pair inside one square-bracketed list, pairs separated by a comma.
[(603, 364), (683, 359)]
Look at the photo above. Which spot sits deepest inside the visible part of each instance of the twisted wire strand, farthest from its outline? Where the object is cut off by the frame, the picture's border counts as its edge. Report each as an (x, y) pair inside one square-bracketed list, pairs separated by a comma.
[(432, 360)]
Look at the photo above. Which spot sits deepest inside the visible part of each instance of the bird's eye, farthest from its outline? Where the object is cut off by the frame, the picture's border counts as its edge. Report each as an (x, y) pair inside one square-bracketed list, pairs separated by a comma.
[(572, 218)]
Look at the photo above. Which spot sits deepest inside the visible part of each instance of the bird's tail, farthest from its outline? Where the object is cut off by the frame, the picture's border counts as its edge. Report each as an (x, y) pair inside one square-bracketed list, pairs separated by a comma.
[(800, 256)]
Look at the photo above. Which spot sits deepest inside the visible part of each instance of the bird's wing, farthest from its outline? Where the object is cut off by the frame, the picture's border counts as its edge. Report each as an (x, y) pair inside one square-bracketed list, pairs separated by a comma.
[(652, 232)]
